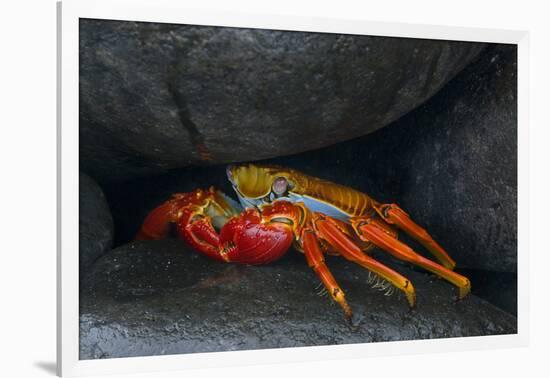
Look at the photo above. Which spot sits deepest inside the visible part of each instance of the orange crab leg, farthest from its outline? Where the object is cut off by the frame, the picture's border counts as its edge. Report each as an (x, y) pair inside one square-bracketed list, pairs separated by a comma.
[(371, 232), (316, 261), (329, 231), (393, 214)]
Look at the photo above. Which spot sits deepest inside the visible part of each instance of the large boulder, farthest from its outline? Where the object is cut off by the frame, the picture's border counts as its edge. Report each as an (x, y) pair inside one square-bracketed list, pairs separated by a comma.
[(159, 96), (96, 226), (159, 297)]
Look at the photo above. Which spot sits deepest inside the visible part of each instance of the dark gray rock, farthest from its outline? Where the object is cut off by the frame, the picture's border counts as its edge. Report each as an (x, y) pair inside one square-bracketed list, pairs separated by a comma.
[(460, 171), (158, 297), (96, 227), (159, 96)]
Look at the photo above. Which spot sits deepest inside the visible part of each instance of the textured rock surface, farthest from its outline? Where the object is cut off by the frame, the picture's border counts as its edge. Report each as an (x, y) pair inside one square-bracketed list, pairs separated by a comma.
[(95, 222), (461, 170), (160, 96), (154, 298)]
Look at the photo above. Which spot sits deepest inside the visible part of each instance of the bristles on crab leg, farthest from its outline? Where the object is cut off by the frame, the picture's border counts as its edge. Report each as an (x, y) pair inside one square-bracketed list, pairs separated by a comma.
[(329, 231), (372, 278), (322, 292), (402, 251), (316, 261)]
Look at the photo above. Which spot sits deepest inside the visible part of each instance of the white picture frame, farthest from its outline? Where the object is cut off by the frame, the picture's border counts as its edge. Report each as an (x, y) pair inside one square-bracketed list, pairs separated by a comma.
[(167, 11)]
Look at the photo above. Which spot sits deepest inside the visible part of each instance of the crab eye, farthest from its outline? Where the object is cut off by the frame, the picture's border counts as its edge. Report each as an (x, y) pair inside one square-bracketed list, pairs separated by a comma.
[(280, 186)]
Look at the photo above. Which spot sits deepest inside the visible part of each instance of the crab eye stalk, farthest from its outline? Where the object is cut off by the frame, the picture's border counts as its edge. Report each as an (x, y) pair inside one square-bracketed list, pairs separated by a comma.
[(280, 186)]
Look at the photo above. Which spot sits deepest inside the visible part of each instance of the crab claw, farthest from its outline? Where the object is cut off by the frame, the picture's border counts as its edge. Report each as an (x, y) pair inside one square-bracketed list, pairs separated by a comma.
[(157, 224), (250, 239), (194, 215)]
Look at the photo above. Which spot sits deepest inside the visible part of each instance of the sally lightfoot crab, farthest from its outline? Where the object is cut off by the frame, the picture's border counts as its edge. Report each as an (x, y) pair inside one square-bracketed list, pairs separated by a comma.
[(281, 207)]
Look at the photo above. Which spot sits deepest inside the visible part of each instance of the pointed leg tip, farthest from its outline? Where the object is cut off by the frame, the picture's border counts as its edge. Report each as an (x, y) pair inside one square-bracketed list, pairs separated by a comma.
[(410, 294), (349, 318), (412, 305), (349, 321), (450, 265), (348, 313), (464, 289)]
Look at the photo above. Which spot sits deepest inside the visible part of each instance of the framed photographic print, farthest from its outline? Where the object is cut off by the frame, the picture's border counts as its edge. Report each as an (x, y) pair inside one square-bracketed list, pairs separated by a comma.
[(277, 189)]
